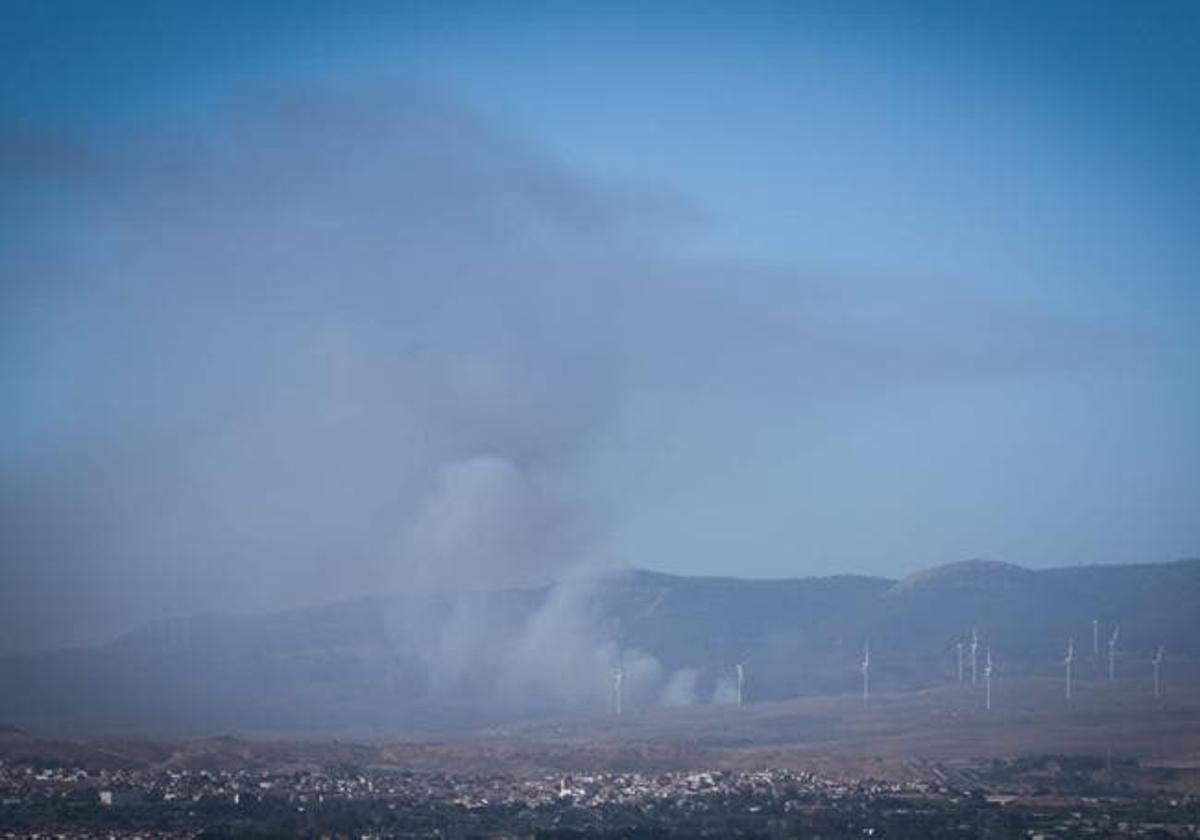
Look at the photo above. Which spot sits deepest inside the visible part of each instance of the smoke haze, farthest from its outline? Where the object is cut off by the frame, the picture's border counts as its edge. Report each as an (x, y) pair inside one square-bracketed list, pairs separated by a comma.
[(332, 343), (307, 352), (440, 302)]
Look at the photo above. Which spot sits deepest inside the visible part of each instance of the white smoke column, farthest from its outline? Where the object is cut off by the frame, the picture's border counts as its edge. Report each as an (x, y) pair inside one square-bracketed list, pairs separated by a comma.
[(486, 525), (680, 689), (564, 656), (725, 691)]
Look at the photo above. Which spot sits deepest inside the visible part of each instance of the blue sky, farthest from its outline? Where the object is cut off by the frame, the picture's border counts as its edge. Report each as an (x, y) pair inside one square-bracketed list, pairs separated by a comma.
[(856, 287)]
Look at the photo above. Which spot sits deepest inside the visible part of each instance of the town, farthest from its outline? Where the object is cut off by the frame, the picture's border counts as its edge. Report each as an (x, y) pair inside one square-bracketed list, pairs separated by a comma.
[(64, 801)]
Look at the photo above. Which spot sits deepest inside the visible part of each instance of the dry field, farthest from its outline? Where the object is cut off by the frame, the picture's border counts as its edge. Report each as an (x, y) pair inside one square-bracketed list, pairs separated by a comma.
[(896, 736)]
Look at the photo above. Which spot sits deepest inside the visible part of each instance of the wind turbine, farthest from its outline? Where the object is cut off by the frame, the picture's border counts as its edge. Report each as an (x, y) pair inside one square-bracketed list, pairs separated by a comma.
[(741, 680), (987, 678), (1158, 660), (1112, 653), (1095, 638), (959, 645), (1070, 658), (618, 678), (974, 648), (866, 672)]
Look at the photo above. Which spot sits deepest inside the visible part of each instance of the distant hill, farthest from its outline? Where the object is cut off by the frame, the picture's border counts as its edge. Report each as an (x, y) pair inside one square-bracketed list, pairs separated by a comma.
[(442, 661)]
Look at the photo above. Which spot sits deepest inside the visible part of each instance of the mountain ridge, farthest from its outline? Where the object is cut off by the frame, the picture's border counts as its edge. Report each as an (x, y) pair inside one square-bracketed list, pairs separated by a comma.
[(921, 576), (445, 660)]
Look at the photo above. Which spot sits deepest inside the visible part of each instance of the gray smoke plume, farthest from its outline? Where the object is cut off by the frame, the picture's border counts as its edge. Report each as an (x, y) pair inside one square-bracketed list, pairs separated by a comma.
[(681, 689), (318, 346), (311, 346)]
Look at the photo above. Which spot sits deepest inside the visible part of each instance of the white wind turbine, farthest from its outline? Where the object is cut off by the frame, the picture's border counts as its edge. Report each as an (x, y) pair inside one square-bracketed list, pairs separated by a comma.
[(1112, 653), (741, 680), (1070, 658), (1158, 660), (974, 648), (959, 645), (1095, 638), (618, 678), (987, 678), (866, 672)]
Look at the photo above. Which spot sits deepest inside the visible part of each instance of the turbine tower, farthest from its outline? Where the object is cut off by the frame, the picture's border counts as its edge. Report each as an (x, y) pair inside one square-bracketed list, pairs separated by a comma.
[(1112, 653), (1158, 660), (866, 672), (974, 648), (618, 678), (1095, 638), (1070, 658), (987, 678), (741, 680), (959, 645)]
